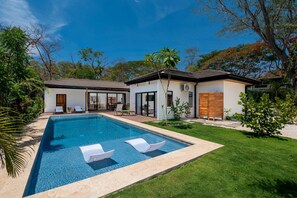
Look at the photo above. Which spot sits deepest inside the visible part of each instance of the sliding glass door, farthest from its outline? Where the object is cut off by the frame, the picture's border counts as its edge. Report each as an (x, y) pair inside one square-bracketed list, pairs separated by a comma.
[(146, 104), (105, 101)]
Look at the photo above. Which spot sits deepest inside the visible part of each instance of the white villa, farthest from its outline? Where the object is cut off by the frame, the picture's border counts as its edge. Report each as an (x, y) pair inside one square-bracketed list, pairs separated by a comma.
[(208, 92)]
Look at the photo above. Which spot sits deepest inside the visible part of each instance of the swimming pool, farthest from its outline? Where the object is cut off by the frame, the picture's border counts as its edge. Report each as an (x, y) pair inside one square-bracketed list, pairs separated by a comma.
[(59, 160)]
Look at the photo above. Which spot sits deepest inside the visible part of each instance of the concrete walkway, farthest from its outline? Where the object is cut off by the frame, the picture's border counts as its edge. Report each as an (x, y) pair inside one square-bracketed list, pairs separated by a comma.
[(290, 130)]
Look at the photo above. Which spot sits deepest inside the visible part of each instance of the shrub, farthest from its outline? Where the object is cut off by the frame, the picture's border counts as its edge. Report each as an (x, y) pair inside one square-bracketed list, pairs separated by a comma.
[(178, 109), (266, 117)]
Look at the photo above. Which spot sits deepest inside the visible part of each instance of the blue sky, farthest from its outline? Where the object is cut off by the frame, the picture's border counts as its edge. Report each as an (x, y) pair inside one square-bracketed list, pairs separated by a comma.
[(126, 29)]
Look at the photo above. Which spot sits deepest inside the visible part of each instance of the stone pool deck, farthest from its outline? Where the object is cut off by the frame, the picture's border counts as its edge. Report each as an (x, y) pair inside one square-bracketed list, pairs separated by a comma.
[(109, 182)]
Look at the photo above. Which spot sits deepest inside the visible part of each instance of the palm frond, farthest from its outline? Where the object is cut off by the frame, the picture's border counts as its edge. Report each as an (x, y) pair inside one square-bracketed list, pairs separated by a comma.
[(11, 153)]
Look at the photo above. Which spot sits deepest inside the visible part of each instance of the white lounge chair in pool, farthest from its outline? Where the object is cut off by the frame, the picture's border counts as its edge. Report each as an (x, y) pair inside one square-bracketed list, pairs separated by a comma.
[(95, 152), (143, 147), (78, 109), (59, 109)]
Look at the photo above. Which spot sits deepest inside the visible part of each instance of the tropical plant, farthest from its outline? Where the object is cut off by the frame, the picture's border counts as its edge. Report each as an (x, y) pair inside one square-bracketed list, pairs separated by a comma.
[(178, 109), (11, 153), (163, 61), (266, 117)]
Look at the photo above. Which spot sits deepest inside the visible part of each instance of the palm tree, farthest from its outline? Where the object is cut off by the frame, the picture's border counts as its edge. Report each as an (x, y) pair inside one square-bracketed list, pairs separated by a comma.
[(11, 153), (163, 61)]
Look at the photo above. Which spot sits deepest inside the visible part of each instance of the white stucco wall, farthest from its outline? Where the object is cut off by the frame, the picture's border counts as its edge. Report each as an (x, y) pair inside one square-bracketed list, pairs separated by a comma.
[(74, 97), (232, 91), (155, 85), (139, 88), (176, 87)]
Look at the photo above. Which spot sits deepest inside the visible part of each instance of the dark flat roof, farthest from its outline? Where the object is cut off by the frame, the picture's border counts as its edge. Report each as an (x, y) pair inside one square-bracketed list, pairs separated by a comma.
[(72, 83), (201, 76)]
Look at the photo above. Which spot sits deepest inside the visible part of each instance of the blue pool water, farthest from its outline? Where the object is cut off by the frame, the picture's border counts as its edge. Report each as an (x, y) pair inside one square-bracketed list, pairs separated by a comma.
[(59, 160)]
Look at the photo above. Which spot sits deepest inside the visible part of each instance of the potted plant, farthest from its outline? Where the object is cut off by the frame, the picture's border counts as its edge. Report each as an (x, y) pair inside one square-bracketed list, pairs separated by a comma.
[(69, 109)]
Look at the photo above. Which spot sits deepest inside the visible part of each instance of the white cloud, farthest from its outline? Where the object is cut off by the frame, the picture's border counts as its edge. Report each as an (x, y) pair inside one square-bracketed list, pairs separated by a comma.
[(17, 13)]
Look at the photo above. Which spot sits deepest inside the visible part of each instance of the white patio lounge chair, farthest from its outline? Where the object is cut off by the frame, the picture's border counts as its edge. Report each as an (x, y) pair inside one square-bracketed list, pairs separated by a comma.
[(143, 147), (78, 109), (59, 109), (119, 109), (94, 153)]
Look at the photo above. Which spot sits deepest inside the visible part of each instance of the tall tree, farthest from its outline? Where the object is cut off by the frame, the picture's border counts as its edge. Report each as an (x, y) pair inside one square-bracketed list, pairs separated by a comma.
[(274, 21), (46, 46), (124, 71), (95, 59), (250, 60), (192, 57), (163, 61)]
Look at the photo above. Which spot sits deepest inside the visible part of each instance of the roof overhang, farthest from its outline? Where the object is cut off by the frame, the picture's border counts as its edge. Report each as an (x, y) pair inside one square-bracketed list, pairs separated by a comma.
[(231, 77), (155, 76), (86, 87)]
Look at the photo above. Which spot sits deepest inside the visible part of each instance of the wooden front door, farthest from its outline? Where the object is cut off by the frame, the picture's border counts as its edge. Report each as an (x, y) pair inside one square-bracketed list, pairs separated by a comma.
[(211, 105), (61, 101)]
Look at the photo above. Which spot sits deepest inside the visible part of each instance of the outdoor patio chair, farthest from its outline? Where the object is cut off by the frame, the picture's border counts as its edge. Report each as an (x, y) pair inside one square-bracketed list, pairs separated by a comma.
[(94, 153), (143, 147), (119, 109), (59, 109), (78, 109)]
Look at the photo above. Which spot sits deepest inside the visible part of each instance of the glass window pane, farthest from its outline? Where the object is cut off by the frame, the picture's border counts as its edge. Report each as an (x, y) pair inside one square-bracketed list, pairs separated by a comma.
[(190, 99), (111, 101), (101, 101), (138, 107), (93, 101), (151, 104), (169, 99)]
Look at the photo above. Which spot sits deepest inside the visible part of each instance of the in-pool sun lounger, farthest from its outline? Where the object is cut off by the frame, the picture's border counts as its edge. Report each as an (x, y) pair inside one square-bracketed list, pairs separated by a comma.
[(143, 147), (94, 153)]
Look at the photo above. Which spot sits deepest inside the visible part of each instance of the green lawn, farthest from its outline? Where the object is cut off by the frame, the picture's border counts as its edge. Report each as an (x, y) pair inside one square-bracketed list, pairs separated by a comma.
[(245, 167)]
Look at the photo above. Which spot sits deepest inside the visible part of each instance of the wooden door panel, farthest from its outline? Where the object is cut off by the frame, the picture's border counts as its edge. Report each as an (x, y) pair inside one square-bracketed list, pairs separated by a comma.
[(61, 101), (203, 104), (211, 104)]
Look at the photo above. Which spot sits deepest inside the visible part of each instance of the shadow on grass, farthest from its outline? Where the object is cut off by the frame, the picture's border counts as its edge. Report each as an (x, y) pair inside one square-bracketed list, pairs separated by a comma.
[(155, 153), (102, 164), (253, 135), (283, 188)]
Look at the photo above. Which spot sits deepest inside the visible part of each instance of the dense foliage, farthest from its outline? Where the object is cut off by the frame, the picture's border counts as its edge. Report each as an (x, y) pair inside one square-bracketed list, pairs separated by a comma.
[(250, 60), (124, 71), (21, 93), (266, 117), (21, 88)]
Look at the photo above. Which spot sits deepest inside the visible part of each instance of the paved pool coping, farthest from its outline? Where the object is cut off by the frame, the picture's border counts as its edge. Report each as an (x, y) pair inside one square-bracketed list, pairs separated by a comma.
[(107, 183)]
